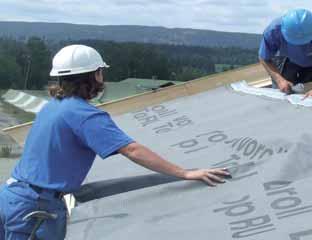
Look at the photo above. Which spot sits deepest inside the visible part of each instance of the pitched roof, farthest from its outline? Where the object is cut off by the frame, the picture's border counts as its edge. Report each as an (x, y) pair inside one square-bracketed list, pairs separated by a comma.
[(266, 143)]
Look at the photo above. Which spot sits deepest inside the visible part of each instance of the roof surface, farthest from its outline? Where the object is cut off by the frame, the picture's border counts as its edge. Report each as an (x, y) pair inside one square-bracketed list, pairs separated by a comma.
[(266, 143)]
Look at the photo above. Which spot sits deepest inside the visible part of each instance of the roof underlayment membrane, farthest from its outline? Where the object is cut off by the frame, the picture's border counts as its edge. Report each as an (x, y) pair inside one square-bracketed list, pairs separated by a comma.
[(262, 136), (266, 143)]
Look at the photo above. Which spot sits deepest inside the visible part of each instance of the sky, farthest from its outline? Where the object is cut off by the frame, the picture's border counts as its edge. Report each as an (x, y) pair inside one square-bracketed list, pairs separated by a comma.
[(250, 16)]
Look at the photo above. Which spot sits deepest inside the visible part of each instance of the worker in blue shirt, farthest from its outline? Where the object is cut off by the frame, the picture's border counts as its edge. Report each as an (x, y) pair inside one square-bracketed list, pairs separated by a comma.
[(62, 144), (290, 38)]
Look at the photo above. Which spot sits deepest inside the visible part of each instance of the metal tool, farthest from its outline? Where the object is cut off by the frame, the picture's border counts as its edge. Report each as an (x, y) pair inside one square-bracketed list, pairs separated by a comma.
[(40, 216)]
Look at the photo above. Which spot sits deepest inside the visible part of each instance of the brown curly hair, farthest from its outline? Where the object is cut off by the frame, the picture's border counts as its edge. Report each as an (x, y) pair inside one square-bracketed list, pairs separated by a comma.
[(81, 85)]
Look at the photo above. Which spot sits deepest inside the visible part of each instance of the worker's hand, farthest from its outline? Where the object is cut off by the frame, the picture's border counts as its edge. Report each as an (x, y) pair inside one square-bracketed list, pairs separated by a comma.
[(308, 94), (284, 85), (210, 176)]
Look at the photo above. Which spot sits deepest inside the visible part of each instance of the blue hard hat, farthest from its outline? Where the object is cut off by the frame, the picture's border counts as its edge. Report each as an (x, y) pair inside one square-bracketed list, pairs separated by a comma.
[(297, 26)]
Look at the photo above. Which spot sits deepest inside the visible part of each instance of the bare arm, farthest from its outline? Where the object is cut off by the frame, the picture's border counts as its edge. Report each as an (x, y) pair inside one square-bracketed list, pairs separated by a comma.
[(146, 158), (283, 84)]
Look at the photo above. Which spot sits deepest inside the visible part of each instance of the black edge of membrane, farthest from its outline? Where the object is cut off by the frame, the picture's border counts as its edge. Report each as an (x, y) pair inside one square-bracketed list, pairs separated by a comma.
[(106, 188)]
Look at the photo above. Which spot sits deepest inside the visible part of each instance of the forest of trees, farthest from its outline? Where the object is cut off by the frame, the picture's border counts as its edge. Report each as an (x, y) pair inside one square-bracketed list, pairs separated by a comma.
[(26, 64)]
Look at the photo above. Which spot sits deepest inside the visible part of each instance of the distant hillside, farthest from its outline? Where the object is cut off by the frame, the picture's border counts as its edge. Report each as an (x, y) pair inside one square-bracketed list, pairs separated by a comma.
[(158, 35)]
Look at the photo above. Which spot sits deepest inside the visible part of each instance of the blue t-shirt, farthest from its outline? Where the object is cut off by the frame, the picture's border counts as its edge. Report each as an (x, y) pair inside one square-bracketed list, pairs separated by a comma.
[(273, 44), (63, 142)]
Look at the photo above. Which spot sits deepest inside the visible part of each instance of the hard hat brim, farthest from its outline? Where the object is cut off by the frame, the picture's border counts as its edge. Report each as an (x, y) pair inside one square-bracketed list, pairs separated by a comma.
[(296, 41), (67, 72)]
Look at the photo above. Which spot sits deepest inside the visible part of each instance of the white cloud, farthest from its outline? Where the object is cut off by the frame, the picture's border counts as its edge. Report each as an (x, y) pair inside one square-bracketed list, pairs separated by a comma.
[(223, 15)]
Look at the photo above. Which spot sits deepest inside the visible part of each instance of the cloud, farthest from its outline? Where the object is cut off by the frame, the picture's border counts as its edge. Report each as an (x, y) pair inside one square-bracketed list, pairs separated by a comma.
[(223, 15)]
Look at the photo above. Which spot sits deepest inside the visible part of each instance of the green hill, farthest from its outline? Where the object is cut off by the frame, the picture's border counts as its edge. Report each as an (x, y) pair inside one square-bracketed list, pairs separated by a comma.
[(159, 35)]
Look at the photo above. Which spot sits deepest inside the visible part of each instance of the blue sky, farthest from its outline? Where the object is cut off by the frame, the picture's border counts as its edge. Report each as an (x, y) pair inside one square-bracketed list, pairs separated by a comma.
[(225, 15)]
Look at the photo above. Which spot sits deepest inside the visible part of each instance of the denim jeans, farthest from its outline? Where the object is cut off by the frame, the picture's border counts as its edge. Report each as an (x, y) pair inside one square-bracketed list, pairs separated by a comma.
[(19, 199), (2, 234)]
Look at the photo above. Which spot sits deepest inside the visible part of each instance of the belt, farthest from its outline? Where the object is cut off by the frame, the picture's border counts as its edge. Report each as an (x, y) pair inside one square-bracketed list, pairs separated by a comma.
[(39, 190)]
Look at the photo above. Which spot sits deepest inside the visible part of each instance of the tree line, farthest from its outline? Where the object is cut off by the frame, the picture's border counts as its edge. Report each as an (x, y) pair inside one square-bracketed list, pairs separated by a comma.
[(26, 64)]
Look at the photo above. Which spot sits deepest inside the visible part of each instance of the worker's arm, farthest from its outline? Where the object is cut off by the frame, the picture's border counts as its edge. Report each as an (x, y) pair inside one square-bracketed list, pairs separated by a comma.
[(283, 84), (308, 94), (146, 158)]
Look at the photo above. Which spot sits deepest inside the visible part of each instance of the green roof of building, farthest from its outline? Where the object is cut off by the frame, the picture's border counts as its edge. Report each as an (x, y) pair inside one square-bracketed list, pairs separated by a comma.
[(129, 87)]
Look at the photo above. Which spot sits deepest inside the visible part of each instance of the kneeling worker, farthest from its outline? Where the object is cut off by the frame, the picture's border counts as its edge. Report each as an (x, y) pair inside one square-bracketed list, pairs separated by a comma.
[(290, 38), (61, 147)]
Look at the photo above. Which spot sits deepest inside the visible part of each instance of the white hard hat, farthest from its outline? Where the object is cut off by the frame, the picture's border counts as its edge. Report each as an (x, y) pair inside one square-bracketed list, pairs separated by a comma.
[(76, 59)]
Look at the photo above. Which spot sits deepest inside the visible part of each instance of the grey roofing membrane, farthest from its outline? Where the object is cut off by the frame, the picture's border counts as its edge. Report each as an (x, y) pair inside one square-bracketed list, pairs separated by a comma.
[(266, 144)]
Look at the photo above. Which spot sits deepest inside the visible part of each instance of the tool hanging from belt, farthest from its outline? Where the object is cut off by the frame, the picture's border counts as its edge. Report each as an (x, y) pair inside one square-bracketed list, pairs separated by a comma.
[(39, 216)]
